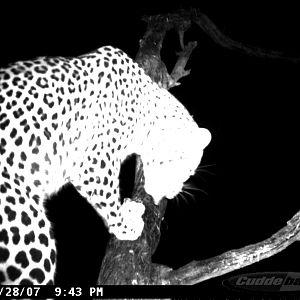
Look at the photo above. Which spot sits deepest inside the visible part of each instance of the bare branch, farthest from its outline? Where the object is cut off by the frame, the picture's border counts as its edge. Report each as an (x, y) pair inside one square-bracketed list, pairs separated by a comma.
[(199, 271), (179, 71), (213, 31)]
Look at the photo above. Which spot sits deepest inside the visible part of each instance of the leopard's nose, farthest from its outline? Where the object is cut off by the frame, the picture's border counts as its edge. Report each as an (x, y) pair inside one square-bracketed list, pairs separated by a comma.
[(204, 136)]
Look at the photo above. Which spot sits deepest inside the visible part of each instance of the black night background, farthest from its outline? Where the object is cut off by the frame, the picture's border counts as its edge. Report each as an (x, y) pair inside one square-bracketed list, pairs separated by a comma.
[(250, 169)]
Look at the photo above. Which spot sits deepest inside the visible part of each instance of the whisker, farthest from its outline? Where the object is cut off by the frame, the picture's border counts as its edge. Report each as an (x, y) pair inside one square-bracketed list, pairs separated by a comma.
[(176, 198), (183, 197), (188, 187), (202, 169), (205, 166), (188, 193)]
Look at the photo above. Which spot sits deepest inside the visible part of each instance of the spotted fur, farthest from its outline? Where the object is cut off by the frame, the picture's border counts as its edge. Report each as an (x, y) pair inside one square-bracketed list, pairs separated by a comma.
[(75, 120)]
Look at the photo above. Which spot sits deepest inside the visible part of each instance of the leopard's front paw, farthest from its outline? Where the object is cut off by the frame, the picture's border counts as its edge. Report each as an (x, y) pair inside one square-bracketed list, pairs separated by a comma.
[(132, 223)]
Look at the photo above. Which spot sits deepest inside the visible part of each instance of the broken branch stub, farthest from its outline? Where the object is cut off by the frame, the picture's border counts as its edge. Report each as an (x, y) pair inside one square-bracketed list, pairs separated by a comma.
[(148, 56)]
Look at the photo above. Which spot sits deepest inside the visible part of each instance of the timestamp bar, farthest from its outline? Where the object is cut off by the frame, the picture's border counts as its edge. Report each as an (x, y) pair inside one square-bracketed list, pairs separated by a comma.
[(106, 291)]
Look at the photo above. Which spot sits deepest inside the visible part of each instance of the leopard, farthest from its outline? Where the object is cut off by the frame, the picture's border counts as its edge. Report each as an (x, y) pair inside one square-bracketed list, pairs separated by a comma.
[(74, 120)]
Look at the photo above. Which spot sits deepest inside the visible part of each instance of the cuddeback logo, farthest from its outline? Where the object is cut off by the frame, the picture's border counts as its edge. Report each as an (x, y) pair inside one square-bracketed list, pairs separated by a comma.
[(265, 282)]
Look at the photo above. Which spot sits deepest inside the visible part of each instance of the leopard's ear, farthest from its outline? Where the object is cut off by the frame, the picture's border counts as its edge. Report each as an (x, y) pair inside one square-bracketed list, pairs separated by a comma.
[(205, 137)]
